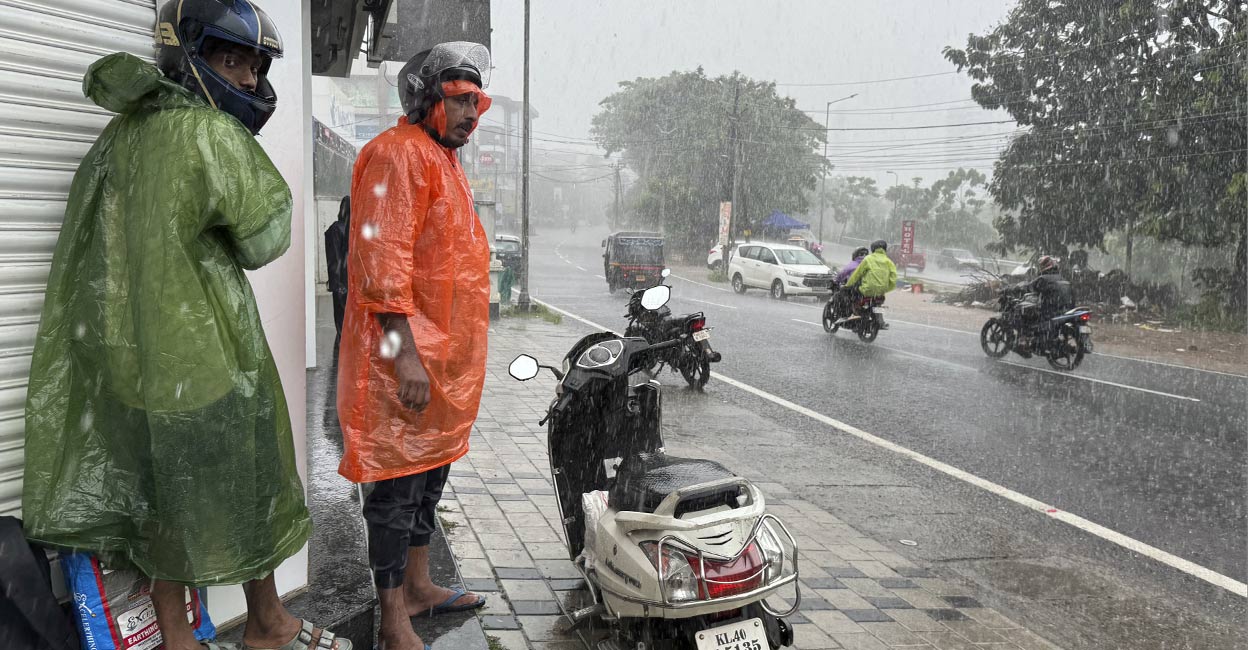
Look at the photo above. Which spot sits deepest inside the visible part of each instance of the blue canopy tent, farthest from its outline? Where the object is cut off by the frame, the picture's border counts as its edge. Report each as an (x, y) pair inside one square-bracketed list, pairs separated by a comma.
[(778, 220)]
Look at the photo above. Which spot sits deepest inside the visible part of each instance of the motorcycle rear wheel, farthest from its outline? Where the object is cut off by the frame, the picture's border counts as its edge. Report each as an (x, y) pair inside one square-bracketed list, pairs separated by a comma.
[(996, 339), (1066, 352), (869, 329), (696, 367)]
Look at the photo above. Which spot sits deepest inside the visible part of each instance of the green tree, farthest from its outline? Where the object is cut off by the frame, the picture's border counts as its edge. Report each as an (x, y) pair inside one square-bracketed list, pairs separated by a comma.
[(956, 206), (847, 200), (678, 133), (1134, 120)]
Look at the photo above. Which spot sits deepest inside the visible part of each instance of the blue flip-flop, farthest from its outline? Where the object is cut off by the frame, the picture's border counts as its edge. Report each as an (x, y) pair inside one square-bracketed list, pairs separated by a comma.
[(448, 606)]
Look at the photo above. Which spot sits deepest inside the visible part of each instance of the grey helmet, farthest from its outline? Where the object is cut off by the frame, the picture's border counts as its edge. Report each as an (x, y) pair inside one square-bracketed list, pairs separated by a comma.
[(420, 79)]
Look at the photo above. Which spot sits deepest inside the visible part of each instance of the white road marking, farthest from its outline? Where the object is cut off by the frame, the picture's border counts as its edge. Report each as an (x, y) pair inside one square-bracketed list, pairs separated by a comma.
[(1098, 381), (942, 362), (1169, 559), (935, 327), (1172, 365), (680, 277), (707, 302), (600, 276), (582, 269)]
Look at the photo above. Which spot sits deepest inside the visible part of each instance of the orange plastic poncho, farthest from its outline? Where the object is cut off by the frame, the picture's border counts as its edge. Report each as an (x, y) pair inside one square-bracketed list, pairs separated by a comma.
[(416, 248)]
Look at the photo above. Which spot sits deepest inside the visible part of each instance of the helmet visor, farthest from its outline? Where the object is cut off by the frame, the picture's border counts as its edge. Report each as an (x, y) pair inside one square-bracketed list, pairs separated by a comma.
[(457, 55)]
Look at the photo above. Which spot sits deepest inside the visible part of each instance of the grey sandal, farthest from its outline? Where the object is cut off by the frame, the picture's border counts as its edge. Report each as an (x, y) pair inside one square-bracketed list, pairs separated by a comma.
[(303, 641)]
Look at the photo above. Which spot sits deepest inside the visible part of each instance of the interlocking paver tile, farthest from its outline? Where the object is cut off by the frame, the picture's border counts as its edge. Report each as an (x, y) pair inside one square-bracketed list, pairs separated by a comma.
[(867, 615), (893, 634), (921, 598), (859, 641), (989, 617), (945, 615), (888, 602), (916, 620), (539, 628), (973, 631), (843, 599), (808, 636), (527, 590), (500, 623), (832, 622), (535, 607)]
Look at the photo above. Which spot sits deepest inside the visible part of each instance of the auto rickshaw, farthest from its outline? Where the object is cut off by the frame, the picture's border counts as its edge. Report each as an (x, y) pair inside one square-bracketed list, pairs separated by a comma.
[(632, 260)]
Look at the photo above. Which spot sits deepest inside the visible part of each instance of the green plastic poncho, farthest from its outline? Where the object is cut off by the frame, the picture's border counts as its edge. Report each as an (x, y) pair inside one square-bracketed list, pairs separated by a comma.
[(157, 433)]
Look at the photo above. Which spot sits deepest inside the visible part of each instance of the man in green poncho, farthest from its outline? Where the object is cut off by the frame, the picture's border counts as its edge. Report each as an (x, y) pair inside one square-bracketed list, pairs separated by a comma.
[(157, 433)]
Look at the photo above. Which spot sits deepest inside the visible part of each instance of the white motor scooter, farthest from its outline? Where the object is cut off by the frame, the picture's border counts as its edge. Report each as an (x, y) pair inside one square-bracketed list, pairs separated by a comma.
[(676, 552)]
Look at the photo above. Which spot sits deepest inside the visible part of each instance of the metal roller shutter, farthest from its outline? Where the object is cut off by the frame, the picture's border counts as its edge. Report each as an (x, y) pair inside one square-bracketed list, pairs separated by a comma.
[(46, 126)]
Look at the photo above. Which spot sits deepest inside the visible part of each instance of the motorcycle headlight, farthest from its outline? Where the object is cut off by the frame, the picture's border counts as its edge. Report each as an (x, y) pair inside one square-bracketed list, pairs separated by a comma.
[(601, 354), (680, 582)]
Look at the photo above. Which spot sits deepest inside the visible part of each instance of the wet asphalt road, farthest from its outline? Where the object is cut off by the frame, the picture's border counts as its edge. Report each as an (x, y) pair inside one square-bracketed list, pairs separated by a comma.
[(1151, 451)]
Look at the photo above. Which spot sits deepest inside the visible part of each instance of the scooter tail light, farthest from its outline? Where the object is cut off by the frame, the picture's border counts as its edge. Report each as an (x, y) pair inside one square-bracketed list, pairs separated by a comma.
[(741, 575), (1085, 317), (697, 324)]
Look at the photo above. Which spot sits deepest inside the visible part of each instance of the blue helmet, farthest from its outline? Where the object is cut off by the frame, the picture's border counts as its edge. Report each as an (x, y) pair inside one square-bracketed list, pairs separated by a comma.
[(182, 30)]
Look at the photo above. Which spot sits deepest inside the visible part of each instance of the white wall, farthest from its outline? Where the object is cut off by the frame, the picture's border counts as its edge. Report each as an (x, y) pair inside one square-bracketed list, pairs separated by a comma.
[(280, 286)]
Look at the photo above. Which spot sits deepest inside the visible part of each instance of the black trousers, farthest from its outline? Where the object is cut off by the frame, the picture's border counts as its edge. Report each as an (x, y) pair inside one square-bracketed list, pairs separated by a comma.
[(340, 309), (401, 513)]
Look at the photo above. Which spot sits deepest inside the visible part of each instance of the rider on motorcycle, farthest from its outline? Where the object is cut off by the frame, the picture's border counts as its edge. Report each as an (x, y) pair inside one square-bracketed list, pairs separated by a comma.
[(844, 296), (1054, 291), (1055, 294), (876, 275)]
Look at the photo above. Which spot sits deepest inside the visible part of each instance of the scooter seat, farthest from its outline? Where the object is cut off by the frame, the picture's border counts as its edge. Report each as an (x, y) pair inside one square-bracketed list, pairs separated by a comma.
[(644, 480)]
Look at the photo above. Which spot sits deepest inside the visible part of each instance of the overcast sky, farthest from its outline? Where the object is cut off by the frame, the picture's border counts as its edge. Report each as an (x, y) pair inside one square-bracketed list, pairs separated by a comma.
[(581, 49)]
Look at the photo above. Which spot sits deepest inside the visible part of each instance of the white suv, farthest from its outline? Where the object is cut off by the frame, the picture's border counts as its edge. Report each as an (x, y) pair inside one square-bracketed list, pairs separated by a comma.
[(782, 269)]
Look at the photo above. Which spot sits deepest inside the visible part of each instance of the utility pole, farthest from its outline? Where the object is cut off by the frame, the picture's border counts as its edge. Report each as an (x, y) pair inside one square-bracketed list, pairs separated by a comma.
[(523, 302), (827, 135), (619, 190), (736, 168)]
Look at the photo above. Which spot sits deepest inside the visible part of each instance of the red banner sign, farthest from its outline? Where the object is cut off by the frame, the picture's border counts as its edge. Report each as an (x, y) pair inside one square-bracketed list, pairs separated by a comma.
[(907, 237)]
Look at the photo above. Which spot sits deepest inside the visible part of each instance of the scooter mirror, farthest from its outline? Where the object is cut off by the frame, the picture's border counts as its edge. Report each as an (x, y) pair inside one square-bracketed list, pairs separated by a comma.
[(655, 297), (666, 273), (523, 368)]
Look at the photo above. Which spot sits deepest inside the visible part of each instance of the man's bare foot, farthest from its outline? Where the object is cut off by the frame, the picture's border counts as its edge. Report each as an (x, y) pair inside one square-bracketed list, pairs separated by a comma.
[(399, 637), (254, 637), (419, 604)]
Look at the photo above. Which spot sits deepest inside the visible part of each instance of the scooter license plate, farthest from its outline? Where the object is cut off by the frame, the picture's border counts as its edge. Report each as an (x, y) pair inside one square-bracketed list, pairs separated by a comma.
[(701, 335), (1084, 329), (639, 278), (746, 635)]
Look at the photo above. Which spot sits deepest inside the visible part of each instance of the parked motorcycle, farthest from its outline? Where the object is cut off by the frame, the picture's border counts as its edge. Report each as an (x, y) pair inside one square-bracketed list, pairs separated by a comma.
[(859, 315), (675, 552), (693, 357), (1062, 340)]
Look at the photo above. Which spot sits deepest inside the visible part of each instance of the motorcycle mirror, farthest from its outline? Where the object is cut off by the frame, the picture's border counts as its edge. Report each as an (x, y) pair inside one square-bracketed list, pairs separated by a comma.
[(655, 297), (523, 368), (666, 273)]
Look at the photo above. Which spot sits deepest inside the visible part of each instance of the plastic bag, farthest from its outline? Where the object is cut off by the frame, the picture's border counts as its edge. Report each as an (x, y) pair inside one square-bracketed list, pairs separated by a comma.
[(594, 505), (114, 610)]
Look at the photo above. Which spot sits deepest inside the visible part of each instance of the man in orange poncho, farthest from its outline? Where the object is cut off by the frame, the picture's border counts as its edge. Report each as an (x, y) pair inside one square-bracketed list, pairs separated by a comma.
[(412, 357)]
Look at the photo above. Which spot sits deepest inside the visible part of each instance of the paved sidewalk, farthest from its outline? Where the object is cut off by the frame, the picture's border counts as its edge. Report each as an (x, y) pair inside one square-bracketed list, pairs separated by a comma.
[(503, 524)]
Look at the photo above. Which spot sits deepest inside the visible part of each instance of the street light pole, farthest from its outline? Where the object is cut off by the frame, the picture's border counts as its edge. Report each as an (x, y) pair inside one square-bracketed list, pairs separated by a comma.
[(523, 301), (823, 188)]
